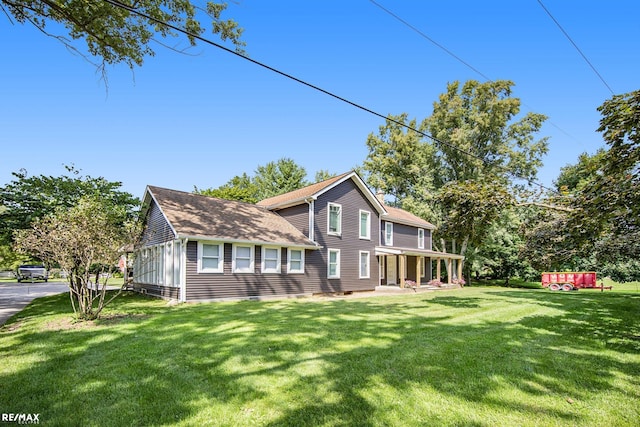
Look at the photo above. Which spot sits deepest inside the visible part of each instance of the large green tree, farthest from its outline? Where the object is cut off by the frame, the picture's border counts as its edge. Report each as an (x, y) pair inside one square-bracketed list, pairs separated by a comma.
[(269, 180), (605, 221), (479, 135), (458, 167), (28, 198), (116, 34)]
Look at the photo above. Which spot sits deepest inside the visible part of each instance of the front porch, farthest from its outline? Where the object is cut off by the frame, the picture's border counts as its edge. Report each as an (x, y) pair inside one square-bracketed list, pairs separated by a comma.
[(415, 268)]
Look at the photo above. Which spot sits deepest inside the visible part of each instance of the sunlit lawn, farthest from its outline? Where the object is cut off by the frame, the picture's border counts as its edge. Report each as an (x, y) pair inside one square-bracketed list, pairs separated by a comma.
[(469, 357)]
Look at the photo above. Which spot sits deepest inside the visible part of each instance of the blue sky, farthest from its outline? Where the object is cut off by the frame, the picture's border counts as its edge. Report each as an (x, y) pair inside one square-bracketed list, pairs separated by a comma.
[(181, 121)]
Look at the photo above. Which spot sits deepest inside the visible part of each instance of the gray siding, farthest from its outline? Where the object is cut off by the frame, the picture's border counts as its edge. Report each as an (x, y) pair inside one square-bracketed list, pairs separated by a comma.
[(229, 285), (157, 230), (405, 236), (298, 216), (352, 200)]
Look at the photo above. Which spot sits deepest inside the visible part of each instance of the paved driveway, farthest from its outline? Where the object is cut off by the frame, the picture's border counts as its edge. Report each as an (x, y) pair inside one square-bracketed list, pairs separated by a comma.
[(15, 296)]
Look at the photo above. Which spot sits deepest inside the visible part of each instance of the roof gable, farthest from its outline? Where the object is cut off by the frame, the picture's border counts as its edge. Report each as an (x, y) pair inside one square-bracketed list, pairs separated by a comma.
[(196, 216), (312, 191)]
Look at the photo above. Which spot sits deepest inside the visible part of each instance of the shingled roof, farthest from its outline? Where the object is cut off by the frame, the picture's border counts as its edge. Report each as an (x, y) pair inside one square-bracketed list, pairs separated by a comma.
[(196, 216), (405, 217), (301, 195)]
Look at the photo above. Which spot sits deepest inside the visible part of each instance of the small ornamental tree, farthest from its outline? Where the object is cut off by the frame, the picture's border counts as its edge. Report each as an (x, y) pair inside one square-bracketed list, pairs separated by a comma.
[(77, 239)]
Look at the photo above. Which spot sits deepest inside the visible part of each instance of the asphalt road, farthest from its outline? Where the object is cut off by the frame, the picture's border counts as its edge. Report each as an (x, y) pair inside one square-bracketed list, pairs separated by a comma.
[(15, 296)]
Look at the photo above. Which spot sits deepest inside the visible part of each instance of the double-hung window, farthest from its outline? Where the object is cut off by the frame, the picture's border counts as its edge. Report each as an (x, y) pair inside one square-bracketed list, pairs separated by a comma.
[(364, 265), (335, 219), (270, 260), (243, 259), (365, 225), (388, 233), (295, 261), (211, 259), (333, 268), (420, 238)]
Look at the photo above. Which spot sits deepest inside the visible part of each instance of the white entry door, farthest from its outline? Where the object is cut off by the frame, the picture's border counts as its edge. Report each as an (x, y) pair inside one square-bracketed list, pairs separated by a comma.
[(392, 270)]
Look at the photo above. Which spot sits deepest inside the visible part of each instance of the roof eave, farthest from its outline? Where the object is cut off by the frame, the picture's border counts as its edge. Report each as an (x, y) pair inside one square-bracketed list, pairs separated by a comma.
[(311, 246)]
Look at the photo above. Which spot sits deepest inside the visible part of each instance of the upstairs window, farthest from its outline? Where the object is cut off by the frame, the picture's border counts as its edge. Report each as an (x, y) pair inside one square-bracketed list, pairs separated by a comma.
[(388, 233), (365, 225), (335, 219), (420, 238)]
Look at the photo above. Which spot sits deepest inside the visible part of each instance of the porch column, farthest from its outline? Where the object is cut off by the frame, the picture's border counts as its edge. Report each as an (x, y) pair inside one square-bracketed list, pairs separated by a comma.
[(459, 269), (418, 270), (449, 270), (402, 268), (439, 261)]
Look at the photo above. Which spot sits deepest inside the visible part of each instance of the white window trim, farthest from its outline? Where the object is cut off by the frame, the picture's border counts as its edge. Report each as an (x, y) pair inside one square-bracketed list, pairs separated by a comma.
[(334, 233), (388, 237), (337, 275), (367, 236), (420, 238), (368, 273), (289, 269), (263, 266), (220, 268), (251, 268)]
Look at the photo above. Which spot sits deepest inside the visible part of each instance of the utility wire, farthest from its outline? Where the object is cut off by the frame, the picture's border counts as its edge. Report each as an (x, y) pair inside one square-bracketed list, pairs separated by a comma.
[(457, 58), (576, 46), (317, 88), (429, 38)]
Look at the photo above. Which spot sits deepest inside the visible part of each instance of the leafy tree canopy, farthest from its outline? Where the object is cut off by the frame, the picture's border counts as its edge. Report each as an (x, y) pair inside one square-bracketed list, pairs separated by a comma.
[(28, 198), (116, 34), (269, 180), (460, 178), (480, 135)]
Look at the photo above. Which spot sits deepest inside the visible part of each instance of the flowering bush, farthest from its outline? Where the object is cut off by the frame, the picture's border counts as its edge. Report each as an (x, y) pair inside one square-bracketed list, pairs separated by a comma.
[(434, 282), (410, 284), (459, 281)]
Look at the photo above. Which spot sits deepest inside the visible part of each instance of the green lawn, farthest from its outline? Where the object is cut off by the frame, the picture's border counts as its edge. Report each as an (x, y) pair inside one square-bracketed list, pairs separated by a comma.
[(468, 357)]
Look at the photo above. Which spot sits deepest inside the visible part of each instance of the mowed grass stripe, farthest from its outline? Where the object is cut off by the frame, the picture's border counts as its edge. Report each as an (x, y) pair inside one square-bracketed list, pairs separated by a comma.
[(475, 356)]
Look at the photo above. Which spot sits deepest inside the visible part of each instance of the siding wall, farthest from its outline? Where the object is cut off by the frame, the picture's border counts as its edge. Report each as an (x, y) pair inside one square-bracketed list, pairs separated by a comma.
[(229, 285), (298, 216), (157, 230), (405, 236), (352, 200)]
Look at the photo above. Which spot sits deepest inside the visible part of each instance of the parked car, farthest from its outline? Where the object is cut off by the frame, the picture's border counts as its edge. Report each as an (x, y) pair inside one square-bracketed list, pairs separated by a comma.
[(32, 272)]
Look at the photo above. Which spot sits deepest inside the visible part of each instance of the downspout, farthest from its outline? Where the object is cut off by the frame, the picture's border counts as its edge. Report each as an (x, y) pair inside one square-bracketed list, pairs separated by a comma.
[(183, 271)]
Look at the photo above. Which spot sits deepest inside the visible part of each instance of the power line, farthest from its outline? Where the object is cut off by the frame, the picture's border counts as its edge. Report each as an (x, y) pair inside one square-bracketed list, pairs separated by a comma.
[(429, 38), (456, 57), (576, 46), (317, 88)]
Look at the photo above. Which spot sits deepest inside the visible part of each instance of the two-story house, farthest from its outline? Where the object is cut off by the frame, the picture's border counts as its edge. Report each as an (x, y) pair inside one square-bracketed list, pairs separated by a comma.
[(332, 236)]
